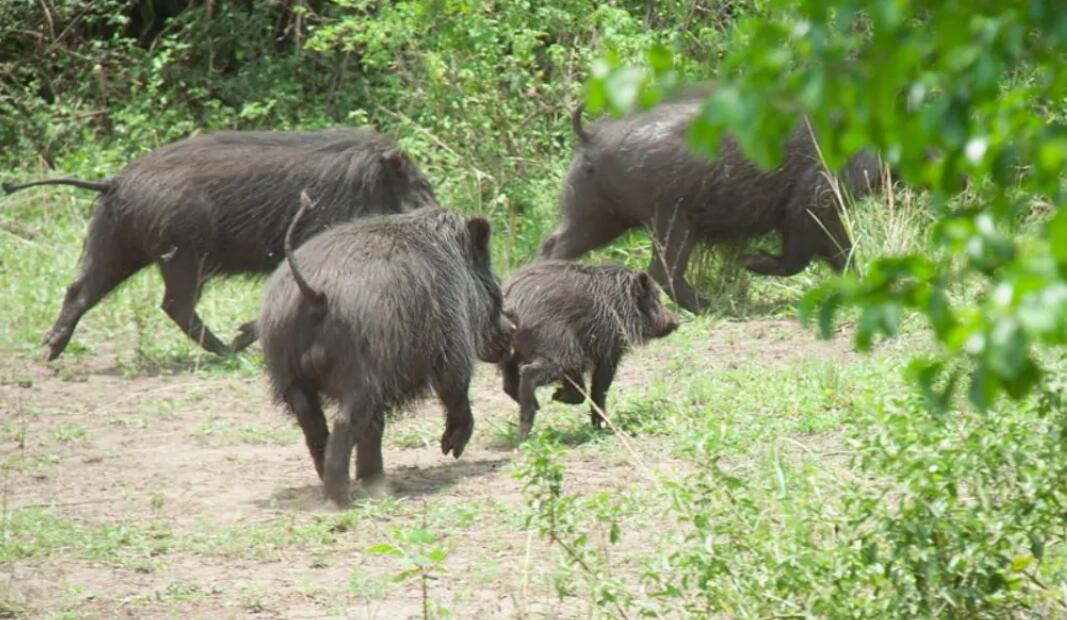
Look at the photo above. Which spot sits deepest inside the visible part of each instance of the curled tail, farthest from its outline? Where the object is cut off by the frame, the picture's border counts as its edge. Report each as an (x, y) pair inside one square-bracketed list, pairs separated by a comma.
[(317, 298), (99, 186), (576, 125)]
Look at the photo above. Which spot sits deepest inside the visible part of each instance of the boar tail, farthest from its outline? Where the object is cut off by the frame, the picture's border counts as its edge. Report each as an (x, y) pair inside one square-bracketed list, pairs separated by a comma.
[(99, 186), (318, 298), (576, 125)]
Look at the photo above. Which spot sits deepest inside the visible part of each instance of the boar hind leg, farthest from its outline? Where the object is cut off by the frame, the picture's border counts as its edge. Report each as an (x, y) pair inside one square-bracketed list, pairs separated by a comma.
[(459, 421), (571, 390), (672, 243), (246, 335), (370, 469), (306, 406), (531, 376), (509, 372), (603, 375), (339, 455), (104, 265), (800, 244), (181, 277)]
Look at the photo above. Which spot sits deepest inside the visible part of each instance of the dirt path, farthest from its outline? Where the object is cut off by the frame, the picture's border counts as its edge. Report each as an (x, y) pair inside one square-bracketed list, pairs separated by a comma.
[(206, 473)]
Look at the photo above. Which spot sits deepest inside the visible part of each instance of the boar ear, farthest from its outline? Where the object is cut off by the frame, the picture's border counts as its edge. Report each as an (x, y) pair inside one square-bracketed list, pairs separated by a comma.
[(479, 230), (643, 281), (393, 159)]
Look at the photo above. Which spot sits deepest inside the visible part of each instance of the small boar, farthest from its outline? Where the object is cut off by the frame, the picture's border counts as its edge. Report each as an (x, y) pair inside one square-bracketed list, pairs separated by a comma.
[(372, 314), (219, 203), (571, 319)]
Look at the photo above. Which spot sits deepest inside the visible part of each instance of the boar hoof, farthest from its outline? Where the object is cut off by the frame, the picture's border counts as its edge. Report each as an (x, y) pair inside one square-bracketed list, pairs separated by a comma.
[(455, 438), (338, 494), (246, 335), (375, 487)]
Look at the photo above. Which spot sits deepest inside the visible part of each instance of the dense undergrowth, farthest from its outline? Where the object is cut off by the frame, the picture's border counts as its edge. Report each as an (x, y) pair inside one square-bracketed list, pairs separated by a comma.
[(479, 93)]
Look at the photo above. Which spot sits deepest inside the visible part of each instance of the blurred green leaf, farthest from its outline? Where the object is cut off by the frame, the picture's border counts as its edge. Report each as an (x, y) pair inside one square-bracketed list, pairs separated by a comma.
[(1057, 236), (385, 549)]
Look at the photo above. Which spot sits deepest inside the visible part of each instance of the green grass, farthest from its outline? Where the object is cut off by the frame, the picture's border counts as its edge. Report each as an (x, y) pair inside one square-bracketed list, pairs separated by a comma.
[(29, 463), (40, 532), (70, 434), (768, 478), (37, 532), (366, 585), (780, 468)]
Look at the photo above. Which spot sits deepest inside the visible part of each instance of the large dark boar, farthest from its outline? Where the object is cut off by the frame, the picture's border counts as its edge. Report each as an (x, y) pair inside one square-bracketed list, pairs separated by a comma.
[(572, 319), (640, 171), (371, 314), (220, 203)]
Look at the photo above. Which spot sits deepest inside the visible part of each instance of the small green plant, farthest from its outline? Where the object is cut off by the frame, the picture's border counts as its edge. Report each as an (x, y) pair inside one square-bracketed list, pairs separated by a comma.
[(70, 434), (23, 463), (560, 519), (182, 593), (422, 557)]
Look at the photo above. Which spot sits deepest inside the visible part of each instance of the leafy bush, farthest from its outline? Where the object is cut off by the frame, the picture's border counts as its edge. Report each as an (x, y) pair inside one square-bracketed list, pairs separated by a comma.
[(962, 502), (479, 93), (945, 91)]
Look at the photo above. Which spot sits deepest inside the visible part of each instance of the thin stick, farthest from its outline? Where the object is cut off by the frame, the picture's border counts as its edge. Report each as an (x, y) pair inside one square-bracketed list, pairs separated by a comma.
[(624, 439)]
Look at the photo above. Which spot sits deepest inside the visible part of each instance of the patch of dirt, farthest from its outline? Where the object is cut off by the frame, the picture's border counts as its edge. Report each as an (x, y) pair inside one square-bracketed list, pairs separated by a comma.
[(206, 455), (773, 342)]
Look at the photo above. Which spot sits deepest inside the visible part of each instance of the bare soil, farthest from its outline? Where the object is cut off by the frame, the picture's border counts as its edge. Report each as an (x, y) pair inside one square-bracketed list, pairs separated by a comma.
[(205, 454)]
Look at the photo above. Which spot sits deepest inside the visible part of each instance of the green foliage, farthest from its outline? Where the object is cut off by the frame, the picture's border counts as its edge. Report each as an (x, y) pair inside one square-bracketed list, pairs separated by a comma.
[(564, 520), (37, 532), (965, 501), (421, 557), (69, 434), (479, 93), (943, 90), (907, 514), (969, 505)]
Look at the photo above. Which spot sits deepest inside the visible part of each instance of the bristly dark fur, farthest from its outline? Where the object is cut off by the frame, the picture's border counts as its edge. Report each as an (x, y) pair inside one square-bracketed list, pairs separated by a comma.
[(412, 303), (640, 171), (572, 319), (221, 203)]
